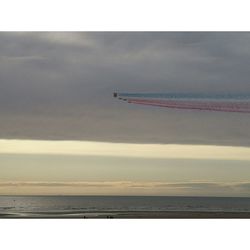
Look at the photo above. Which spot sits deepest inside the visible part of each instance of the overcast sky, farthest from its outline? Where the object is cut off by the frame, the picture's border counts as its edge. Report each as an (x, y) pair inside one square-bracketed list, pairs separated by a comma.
[(60, 85)]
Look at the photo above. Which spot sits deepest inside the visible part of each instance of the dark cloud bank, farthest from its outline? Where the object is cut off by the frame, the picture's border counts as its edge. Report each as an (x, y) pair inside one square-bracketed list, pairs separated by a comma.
[(59, 85)]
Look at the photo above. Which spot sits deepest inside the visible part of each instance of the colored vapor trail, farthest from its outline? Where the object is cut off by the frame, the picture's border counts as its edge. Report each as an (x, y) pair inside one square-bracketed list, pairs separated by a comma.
[(210, 102)]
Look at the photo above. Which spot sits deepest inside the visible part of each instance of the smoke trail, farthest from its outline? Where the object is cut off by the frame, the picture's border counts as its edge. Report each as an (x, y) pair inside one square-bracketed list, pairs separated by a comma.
[(209, 102), (240, 96)]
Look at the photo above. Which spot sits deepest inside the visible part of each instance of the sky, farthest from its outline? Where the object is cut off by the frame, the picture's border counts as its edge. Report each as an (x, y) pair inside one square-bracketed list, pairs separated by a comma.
[(62, 132)]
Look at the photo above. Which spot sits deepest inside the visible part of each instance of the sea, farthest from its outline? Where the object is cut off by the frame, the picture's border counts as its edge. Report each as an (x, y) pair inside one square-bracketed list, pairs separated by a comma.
[(95, 206)]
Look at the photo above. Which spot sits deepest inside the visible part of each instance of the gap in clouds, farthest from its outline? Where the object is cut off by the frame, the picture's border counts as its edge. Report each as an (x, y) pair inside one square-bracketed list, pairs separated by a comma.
[(89, 148)]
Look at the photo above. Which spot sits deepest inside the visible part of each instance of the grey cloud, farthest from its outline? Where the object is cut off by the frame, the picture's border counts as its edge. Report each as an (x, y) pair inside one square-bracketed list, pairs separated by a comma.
[(160, 188), (243, 186), (59, 85), (59, 184), (198, 188), (240, 186)]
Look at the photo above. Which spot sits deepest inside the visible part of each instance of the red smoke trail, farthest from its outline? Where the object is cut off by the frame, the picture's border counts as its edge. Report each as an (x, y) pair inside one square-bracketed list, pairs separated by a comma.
[(200, 105)]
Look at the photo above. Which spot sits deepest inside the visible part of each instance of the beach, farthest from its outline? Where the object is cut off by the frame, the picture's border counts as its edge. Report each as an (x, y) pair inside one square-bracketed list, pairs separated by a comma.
[(130, 215)]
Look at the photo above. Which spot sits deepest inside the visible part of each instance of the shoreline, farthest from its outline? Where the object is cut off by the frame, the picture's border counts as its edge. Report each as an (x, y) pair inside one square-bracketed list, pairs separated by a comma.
[(129, 215)]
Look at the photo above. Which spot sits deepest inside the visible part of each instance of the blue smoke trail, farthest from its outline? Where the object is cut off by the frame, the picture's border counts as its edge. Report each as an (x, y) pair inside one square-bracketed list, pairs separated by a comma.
[(241, 96)]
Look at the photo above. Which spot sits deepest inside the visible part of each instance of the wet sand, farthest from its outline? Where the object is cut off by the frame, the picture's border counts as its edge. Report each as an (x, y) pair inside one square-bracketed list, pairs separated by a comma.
[(184, 215), (132, 215)]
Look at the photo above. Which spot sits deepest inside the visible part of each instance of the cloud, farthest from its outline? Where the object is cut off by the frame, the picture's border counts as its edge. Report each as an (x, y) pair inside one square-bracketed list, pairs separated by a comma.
[(178, 185), (59, 184), (59, 85), (128, 187)]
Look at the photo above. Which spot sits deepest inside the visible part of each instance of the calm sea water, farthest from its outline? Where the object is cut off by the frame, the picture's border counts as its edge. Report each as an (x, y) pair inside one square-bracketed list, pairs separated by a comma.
[(81, 205)]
